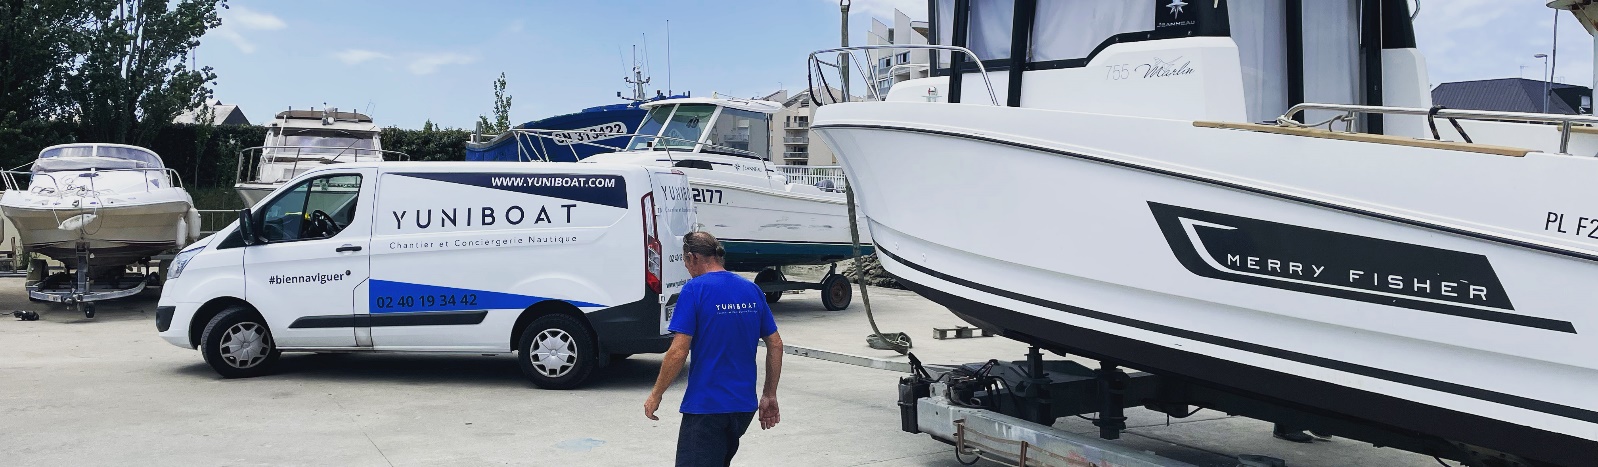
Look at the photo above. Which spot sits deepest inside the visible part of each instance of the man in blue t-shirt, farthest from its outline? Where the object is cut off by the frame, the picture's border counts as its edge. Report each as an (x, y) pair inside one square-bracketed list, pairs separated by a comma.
[(719, 318)]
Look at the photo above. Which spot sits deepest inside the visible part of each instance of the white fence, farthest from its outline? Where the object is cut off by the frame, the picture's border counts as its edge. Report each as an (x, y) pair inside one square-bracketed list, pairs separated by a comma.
[(826, 177)]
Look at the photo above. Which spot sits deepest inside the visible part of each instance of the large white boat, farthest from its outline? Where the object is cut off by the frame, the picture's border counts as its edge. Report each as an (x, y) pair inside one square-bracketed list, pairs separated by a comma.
[(300, 140), (1097, 184), (97, 208), (766, 215)]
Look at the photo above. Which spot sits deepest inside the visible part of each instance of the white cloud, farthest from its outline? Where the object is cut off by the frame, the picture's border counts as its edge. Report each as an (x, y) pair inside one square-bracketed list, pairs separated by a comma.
[(239, 18), (356, 56), (429, 63), (251, 19), (239, 41)]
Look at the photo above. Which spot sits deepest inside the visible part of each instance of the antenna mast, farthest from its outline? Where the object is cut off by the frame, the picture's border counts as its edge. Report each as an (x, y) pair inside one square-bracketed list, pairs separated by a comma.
[(668, 56), (638, 80)]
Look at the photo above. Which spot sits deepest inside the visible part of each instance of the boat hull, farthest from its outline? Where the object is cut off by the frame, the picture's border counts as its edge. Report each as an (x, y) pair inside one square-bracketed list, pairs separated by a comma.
[(761, 228), (116, 236), (252, 193), (1086, 250)]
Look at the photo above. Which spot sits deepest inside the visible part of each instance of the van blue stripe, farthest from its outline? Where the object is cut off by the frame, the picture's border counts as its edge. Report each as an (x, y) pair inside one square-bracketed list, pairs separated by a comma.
[(403, 297)]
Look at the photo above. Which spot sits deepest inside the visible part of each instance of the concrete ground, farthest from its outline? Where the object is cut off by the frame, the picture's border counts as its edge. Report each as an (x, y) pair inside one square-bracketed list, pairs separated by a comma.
[(107, 391)]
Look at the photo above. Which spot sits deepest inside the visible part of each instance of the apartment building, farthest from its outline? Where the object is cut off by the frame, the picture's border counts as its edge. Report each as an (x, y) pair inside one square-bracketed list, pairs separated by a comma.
[(892, 66), (790, 130)]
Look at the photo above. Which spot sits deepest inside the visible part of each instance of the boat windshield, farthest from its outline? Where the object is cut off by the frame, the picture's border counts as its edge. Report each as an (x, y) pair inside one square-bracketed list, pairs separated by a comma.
[(682, 130), (96, 157), (328, 142)]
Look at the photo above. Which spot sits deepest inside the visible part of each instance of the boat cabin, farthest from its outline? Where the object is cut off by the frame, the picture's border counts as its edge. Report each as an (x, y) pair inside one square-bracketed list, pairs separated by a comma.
[(82, 156), (1238, 60), (319, 134), (731, 127)]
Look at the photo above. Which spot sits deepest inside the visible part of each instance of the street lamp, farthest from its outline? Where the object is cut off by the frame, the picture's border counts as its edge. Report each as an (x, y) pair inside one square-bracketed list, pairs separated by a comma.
[(1545, 79)]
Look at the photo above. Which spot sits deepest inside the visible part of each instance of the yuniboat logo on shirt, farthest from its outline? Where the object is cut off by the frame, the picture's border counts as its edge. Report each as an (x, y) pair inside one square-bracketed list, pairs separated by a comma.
[(1340, 265), (317, 278), (726, 308)]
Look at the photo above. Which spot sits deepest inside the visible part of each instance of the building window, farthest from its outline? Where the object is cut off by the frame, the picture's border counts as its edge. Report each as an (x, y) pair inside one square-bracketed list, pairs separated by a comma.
[(904, 57)]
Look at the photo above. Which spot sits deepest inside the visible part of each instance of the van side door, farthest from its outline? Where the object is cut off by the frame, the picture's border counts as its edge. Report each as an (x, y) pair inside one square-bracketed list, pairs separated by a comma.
[(313, 260)]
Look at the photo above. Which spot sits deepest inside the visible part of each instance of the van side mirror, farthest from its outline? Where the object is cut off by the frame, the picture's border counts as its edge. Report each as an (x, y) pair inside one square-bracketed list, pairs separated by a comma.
[(247, 230)]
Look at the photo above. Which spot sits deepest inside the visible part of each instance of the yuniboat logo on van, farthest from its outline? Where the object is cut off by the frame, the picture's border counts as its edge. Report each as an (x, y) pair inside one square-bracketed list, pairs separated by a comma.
[(1340, 265)]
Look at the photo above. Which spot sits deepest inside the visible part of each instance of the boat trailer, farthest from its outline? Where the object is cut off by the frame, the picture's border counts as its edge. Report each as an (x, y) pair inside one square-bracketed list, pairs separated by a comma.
[(1005, 411), (76, 288), (836, 292)]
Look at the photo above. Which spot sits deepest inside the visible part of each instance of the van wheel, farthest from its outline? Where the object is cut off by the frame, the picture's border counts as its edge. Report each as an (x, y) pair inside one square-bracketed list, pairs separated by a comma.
[(835, 292), (237, 344), (557, 352), (770, 275)]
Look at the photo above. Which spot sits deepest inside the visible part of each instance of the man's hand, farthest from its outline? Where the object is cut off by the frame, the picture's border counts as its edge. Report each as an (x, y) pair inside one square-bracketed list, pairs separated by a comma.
[(651, 405), (768, 412)]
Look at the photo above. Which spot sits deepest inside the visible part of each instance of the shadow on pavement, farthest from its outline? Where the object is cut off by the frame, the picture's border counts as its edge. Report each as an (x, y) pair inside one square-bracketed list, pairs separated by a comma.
[(462, 370)]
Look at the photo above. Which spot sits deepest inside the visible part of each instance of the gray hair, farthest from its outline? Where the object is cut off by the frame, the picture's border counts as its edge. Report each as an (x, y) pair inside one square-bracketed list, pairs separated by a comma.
[(703, 244)]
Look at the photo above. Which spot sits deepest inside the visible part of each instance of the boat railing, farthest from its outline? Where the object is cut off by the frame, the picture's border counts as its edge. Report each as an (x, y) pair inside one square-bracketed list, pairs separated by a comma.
[(251, 159), (537, 147), (816, 70), (1347, 113), (13, 184), (828, 178)]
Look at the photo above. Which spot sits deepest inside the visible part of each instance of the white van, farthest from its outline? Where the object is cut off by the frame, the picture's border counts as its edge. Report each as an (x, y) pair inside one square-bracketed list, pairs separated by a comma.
[(568, 265)]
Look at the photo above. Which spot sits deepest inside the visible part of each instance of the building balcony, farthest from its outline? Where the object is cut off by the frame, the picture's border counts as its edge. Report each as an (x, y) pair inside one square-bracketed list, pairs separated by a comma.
[(796, 155), (797, 124), (796, 140)]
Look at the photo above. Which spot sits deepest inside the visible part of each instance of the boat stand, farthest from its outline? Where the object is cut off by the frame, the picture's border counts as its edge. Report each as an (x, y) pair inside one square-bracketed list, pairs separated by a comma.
[(836, 292), (1006, 411), (76, 288)]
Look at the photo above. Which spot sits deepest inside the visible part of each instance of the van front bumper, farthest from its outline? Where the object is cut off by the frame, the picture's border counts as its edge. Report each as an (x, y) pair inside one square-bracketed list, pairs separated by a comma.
[(172, 322), (632, 328)]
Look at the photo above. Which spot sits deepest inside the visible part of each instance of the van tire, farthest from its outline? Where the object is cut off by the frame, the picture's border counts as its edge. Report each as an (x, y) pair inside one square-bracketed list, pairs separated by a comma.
[(233, 327), (565, 352)]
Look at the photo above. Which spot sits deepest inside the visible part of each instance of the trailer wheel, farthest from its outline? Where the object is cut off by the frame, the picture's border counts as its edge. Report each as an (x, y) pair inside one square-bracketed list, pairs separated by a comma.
[(557, 352), (237, 344), (770, 275), (835, 292)]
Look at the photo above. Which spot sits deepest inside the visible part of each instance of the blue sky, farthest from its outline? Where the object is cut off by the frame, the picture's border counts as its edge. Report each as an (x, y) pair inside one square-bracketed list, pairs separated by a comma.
[(411, 61)]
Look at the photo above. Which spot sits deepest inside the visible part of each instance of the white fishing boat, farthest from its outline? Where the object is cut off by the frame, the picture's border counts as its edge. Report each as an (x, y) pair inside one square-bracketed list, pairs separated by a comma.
[(1105, 189), (766, 215), (300, 140), (97, 208)]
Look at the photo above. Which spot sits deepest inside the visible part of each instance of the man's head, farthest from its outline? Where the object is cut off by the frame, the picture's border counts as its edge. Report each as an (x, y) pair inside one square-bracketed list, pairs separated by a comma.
[(702, 253)]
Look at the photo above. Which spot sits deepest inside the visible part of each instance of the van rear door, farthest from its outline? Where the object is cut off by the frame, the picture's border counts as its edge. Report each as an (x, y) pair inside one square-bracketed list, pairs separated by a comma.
[(674, 217)]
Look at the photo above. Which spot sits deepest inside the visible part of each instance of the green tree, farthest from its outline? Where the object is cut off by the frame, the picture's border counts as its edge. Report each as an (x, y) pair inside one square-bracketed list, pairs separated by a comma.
[(130, 79), (38, 39), (501, 121)]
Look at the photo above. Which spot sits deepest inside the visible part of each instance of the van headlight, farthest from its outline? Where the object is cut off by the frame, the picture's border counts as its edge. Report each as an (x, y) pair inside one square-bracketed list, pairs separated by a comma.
[(181, 261)]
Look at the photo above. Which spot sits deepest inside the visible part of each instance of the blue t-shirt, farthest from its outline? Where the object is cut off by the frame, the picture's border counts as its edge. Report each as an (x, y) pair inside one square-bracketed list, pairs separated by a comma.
[(727, 316)]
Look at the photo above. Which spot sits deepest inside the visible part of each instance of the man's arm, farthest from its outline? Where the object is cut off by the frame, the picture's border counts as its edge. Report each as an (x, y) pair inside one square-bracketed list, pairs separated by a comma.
[(769, 415), (676, 357)]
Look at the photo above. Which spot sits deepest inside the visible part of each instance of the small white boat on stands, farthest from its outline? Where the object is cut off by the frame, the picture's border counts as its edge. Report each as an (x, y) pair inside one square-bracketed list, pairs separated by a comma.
[(301, 140), (1102, 186), (97, 208), (766, 215)]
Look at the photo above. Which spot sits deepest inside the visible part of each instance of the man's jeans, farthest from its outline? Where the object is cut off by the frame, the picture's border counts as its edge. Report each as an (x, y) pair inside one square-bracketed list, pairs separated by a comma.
[(706, 440)]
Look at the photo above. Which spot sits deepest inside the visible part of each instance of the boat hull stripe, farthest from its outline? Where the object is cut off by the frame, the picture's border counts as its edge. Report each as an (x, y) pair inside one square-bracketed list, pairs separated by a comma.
[(1371, 372)]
